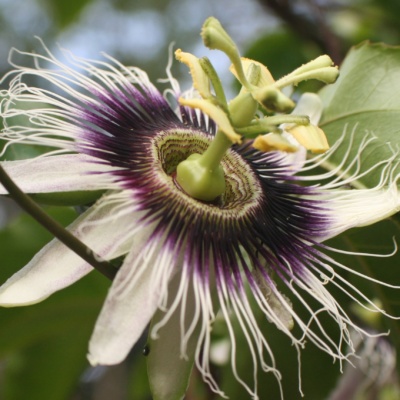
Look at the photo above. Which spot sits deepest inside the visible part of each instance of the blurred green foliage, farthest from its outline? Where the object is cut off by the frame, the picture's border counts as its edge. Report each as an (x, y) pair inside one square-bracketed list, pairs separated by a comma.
[(65, 12)]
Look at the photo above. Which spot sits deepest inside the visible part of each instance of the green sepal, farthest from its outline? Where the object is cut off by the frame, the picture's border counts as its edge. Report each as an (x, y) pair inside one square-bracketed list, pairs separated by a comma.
[(169, 373), (67, 198)]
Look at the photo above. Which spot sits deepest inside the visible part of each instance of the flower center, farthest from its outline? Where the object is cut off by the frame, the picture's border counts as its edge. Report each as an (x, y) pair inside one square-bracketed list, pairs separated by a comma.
[(201, 175), (242, 189)]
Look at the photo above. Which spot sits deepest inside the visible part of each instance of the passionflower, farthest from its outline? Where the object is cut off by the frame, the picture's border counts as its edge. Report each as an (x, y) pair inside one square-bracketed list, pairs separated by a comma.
[(206, 223)]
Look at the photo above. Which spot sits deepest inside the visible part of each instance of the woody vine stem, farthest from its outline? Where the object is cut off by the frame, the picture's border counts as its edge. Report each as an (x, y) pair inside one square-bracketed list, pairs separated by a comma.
[(62, 234)]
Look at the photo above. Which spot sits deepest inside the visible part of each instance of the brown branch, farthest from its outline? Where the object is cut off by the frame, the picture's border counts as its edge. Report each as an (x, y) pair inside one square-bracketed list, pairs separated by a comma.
[(314, 29), (63, 235)]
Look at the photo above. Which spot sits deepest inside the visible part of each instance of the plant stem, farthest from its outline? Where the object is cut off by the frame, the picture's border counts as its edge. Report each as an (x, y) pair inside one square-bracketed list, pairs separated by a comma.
[(212, 157), (63, 235)]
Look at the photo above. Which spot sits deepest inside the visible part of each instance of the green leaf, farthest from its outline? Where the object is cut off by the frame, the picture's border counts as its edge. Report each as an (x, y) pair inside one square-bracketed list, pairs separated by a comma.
[(365, 101), (66, 12), (43, 347), (287, 362), (23, 237), (375, 239)]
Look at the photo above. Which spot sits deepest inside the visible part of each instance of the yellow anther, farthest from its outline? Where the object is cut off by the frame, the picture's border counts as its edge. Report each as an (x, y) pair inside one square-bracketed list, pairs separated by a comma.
[(201, 82), (274, 142), (265, 77), (216, 114), (311, 137)]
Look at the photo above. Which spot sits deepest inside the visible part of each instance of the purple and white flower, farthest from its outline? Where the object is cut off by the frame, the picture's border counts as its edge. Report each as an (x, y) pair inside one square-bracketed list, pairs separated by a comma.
[(185, 260)]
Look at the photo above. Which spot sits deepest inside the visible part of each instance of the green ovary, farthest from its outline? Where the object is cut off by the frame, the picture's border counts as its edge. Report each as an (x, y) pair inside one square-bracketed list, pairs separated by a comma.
[(201, 176), (198, 180)]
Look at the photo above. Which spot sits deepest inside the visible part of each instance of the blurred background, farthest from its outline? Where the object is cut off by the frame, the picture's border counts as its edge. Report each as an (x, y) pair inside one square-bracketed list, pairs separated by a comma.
[(43, 348), (138, 32)]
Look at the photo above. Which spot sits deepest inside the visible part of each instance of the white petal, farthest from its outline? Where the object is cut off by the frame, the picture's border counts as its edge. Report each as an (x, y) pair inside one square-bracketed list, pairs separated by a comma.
[(361, 207), (311, 105), (296, 159), (62, 173), (133, 299), (55, 266)]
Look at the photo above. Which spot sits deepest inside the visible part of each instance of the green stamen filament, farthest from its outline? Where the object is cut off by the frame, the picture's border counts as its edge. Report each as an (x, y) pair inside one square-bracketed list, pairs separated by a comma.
[(270, 124), (209, 69)]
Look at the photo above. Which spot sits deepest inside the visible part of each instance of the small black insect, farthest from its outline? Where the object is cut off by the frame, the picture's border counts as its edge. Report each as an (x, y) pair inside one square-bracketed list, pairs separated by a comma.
[(146, 350)]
